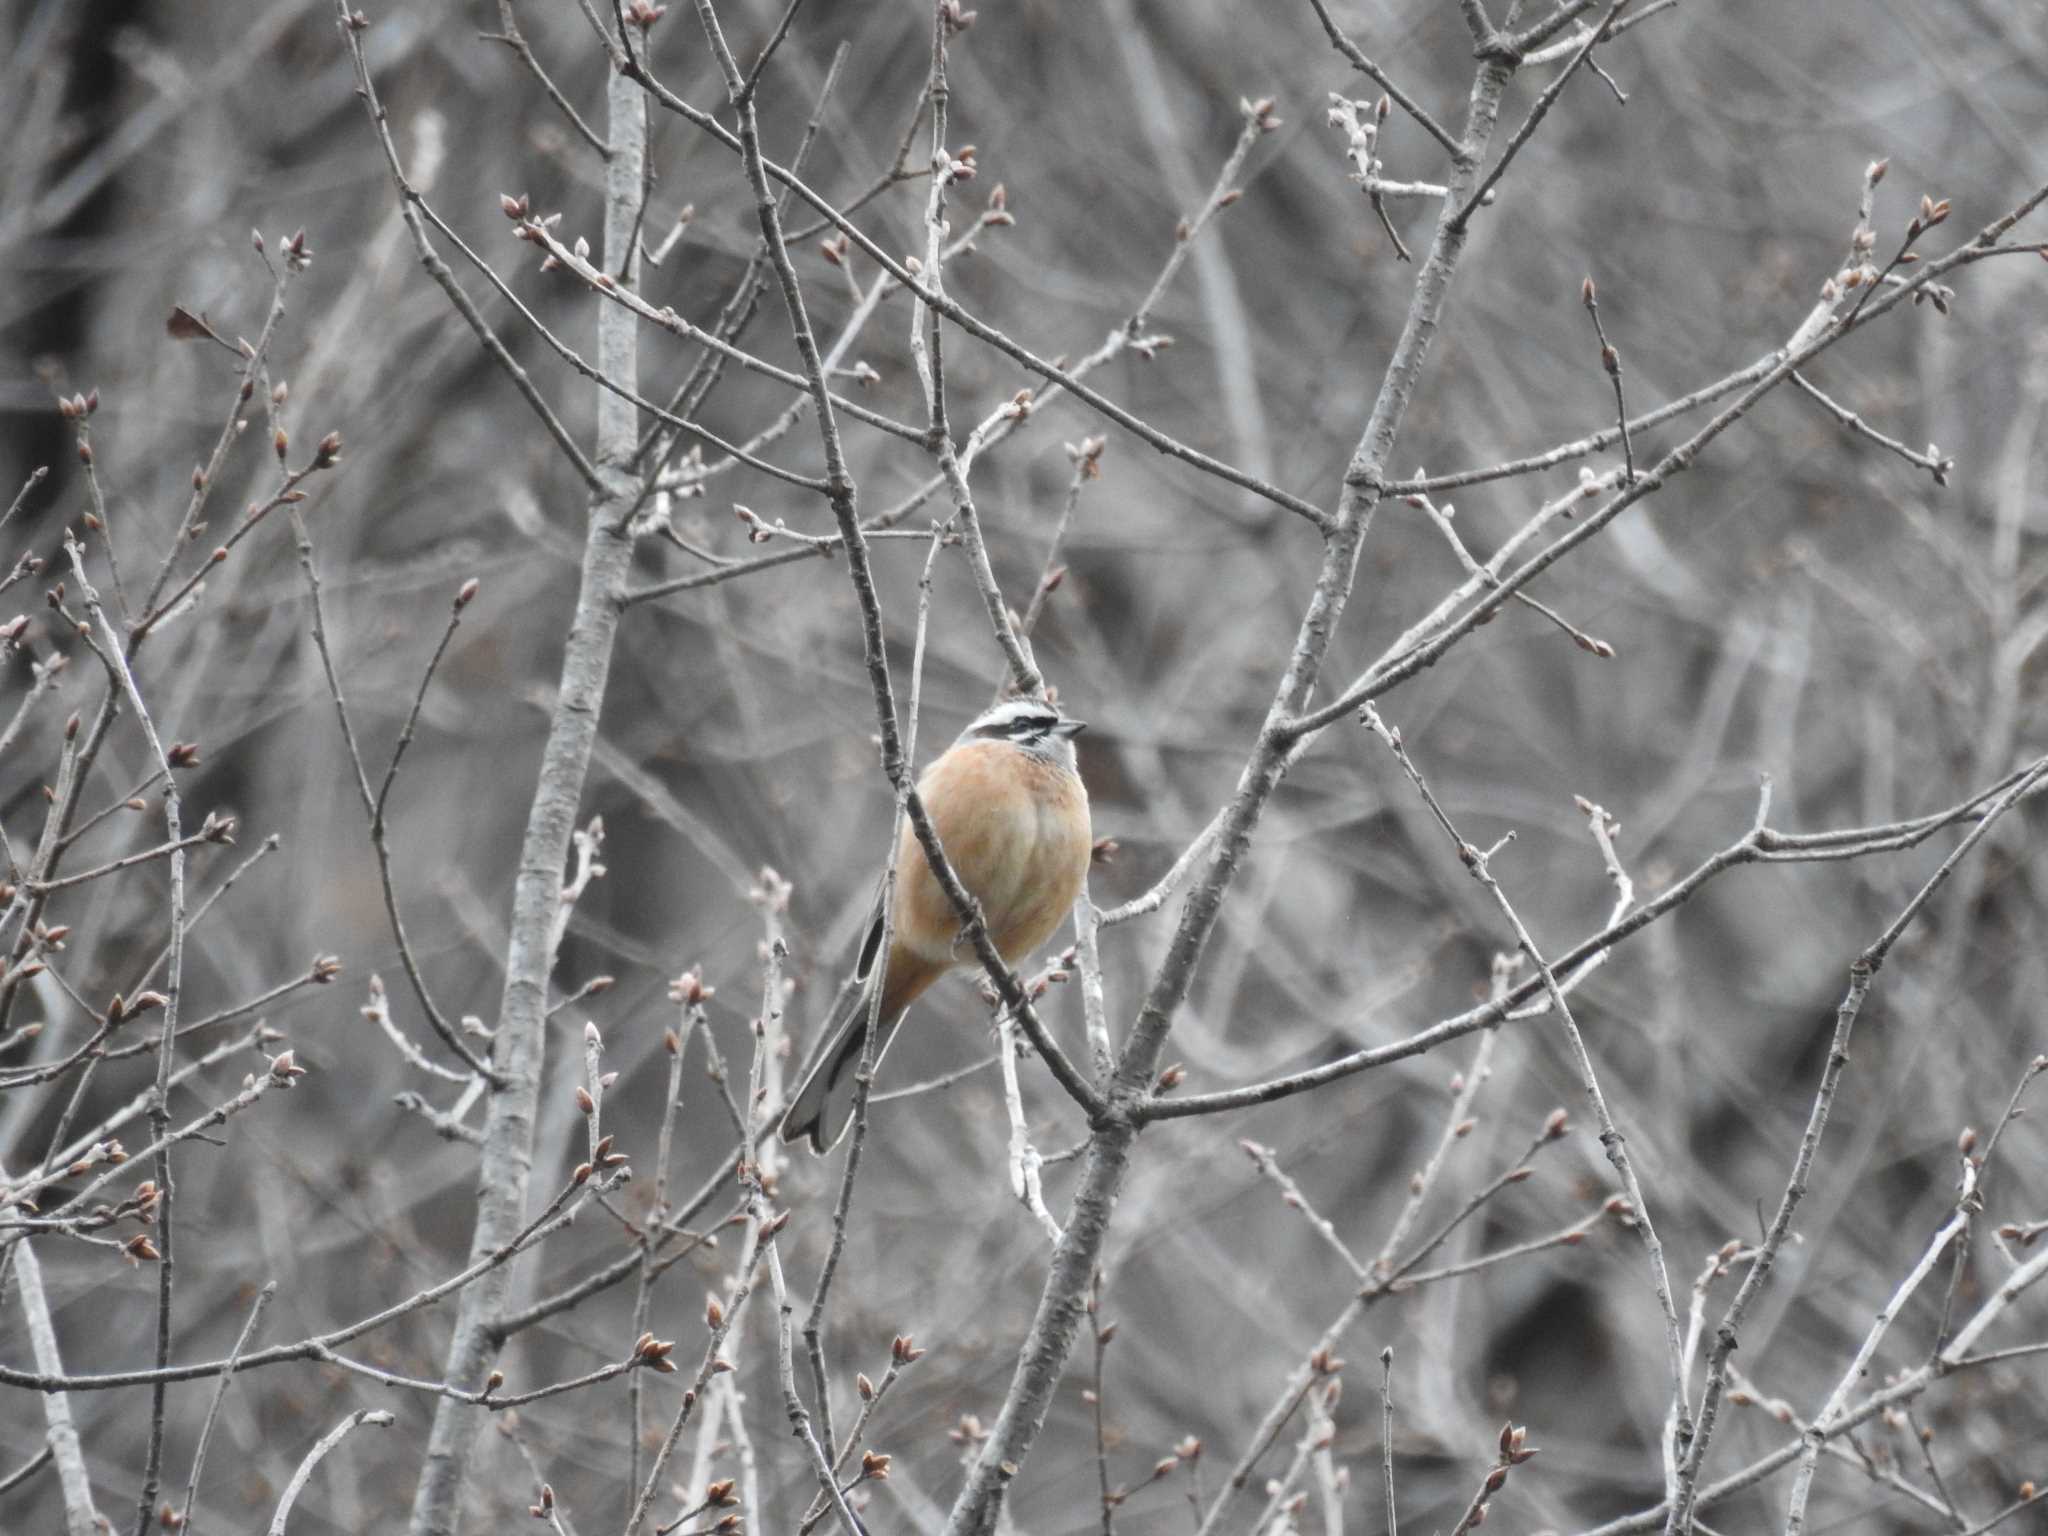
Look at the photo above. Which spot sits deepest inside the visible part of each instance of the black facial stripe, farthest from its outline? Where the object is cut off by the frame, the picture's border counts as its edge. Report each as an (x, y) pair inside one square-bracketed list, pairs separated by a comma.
[(1018, 728)]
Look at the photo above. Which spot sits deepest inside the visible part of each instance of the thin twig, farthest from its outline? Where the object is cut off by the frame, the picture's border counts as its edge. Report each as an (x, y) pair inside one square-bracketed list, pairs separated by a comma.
[(559, 1212), (116, 659), (1610, 362), (1378, 76), (512, 38), (1478, 864), (1861, 973), (1387, 1434), (446, 1032), (1538, 109), (1936, 463), (315, 1456), (186, 1521), (410, 204)]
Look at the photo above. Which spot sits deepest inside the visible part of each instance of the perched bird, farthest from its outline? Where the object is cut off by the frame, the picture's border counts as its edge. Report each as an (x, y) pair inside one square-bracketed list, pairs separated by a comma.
[(1012, 815)]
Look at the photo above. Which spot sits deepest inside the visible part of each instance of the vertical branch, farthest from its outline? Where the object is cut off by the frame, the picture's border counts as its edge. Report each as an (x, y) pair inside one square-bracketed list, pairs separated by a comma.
[(80, 1518), (1094, 999), (518, 1045), (123, 676), (1058, 1318), (1387, 1434), (864, 1075), (928, 352)]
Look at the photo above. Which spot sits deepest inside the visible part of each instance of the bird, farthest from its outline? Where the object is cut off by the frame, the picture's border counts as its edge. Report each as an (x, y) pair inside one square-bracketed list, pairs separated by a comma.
[(1011, 812)]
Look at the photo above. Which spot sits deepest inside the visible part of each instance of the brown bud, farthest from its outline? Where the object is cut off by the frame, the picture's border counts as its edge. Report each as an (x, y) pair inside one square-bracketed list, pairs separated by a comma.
[(280, 442)]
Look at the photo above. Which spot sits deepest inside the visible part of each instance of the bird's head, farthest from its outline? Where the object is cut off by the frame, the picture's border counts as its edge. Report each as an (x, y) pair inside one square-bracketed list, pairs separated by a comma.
[(1032, 725)]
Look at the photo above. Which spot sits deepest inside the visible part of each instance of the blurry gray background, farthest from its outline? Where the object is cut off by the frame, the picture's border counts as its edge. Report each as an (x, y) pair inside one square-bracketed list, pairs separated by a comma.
[(1801, 605)]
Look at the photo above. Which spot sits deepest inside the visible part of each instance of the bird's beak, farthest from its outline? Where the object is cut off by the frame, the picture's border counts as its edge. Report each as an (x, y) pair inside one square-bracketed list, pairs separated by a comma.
[(1070, 728)]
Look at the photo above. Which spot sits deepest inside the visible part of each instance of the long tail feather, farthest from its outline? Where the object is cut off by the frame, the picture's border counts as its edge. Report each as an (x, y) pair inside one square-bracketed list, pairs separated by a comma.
[(823, 1106)]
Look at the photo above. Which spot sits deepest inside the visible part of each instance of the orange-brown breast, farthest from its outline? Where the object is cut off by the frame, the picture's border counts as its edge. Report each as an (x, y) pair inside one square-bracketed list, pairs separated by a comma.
[(1016, 830)]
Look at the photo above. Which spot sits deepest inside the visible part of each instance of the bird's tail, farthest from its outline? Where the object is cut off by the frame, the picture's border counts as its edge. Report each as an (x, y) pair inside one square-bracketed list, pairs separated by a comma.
[(823, 1105)]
